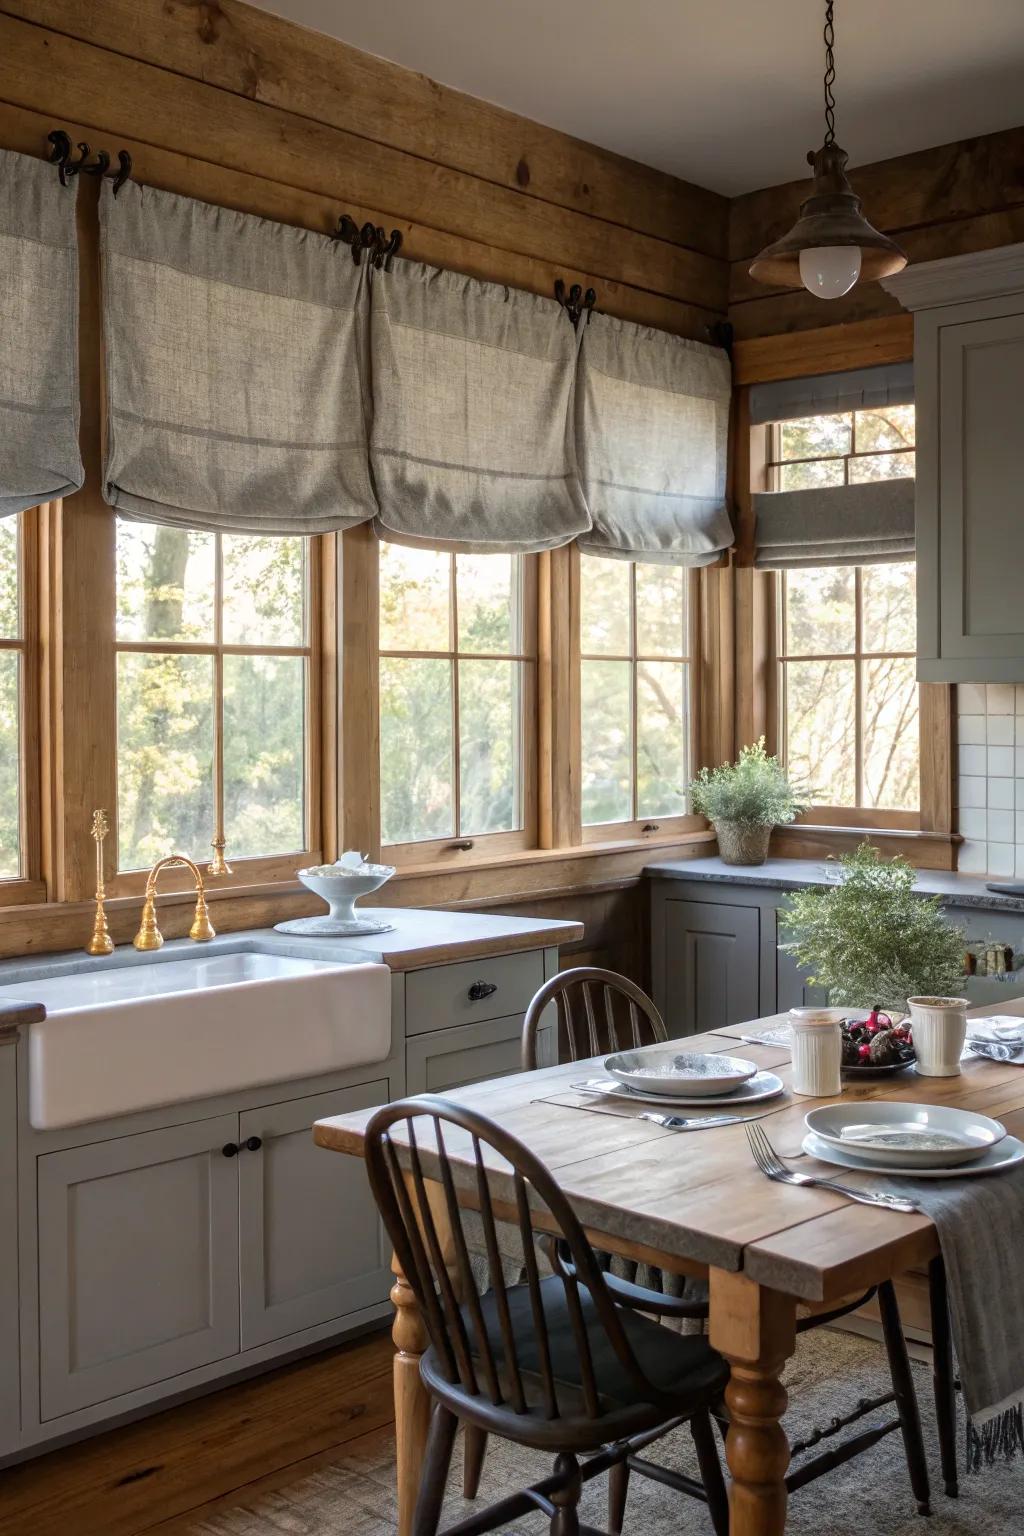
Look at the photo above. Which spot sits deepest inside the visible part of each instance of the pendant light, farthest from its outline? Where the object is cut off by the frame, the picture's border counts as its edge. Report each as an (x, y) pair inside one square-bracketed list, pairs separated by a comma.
[(831, 245)]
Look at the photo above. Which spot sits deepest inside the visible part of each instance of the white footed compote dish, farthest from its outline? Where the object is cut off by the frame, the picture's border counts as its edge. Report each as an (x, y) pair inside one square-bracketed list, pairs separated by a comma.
[(691, 1074), (341, 884)]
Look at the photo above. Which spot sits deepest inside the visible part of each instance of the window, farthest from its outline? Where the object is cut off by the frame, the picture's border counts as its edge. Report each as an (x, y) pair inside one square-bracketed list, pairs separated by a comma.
[(849, 699), (216, 664), (457, 683), (17, 737), (634, 691)]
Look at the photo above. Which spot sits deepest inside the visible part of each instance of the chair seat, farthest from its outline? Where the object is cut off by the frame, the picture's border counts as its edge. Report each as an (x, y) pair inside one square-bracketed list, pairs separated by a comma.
[(686, 1371)]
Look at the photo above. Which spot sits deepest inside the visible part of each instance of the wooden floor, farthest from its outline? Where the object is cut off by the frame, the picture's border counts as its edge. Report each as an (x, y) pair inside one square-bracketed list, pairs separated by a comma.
[(162, 1473)]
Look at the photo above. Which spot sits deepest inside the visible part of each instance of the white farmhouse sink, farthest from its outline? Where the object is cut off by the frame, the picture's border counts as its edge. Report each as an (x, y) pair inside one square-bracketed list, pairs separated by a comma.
[(123, 1039)]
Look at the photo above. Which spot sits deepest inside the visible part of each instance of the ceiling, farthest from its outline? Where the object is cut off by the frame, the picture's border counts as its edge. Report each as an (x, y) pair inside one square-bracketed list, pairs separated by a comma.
[(725, 93)]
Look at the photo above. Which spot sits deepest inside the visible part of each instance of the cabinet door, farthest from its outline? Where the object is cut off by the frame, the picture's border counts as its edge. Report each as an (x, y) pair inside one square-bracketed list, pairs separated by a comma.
[(138, 1261), (709, 965), (970, 501), (793, 989), (10, 1370), (311, 1243), (469, 1053)]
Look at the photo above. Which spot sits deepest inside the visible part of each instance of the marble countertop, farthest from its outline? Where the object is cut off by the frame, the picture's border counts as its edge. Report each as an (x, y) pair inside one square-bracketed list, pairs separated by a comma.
[(793, 874), (420, 937)]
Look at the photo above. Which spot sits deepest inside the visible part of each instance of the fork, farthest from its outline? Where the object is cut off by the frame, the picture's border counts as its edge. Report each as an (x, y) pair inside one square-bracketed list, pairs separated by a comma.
[(772, 1166)]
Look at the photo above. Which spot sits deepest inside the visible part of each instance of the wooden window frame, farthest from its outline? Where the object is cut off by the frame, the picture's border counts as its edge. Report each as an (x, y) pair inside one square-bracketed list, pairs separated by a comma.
[(30, 885), (437, 852), (643, 828)]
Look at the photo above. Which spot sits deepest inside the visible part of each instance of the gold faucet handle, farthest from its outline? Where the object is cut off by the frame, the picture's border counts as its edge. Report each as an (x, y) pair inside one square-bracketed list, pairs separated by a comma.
[(149, 935)]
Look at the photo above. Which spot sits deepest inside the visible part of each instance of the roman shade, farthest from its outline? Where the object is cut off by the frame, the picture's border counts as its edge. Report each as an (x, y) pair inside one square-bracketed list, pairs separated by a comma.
[(827, 394), (472, 444), (866, 524), (39, 457), (236, 369), (652, 423)]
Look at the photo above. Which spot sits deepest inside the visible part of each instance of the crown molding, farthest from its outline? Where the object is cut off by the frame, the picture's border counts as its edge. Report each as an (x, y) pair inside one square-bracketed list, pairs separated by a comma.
[(959, 279)]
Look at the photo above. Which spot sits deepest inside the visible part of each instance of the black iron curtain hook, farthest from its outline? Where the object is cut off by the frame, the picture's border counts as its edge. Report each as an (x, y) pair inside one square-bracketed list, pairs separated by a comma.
[(68, 168), (369, 238), (574, 301)]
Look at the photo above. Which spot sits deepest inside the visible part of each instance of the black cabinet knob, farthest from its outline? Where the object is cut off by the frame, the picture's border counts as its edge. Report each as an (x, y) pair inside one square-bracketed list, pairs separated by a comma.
[(482, 989), (229, 1149), (253, 1144)]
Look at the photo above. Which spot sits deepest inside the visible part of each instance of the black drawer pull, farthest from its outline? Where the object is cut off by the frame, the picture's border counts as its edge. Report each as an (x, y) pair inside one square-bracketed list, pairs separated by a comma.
[(253, 1144), (229, 1149), (481, 989)]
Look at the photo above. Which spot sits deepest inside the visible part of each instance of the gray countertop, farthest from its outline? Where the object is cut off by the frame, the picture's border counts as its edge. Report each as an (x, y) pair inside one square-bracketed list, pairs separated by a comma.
[(793, 874)]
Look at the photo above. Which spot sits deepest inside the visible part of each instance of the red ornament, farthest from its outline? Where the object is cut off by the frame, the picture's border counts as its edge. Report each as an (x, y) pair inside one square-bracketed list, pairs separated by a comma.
[(864, 1052)]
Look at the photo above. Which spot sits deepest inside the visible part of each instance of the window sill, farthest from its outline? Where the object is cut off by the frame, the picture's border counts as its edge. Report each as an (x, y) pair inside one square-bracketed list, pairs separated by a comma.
[(924, 849)]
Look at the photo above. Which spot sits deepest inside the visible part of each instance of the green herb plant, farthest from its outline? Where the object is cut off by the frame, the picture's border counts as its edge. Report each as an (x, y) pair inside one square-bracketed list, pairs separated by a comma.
[(868, 938), (754, 791)]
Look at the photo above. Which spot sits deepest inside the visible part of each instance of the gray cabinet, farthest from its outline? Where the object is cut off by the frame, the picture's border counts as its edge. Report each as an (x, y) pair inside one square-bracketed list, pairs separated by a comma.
[(311, 1243), (138, 1261), (705, 963), (792, 989), (10, 1370), (495, 988), (469, 1053), (969, 382)]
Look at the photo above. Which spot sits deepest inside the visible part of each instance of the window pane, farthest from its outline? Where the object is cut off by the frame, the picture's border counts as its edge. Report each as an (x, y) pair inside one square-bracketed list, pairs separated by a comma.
[(164, 757), (889, 594), (416, 773), (265, 587), (489, 746), (607, 730), (882, 466), (821, 613), (805, 477), (10, 605), (10, 767), (890, 426), (414, 599), (264, 762), (165, 580), (604, 607), (820, 730), (814, 437), (661, 626), (662, 737), (488, 602), (891, 777)]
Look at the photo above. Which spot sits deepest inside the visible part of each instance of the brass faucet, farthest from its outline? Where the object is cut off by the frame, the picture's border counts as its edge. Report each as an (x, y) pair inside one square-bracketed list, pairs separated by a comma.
[(149, 935)]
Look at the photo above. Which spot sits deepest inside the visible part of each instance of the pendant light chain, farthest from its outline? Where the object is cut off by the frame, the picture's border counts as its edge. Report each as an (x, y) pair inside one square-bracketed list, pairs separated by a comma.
[(830, 75)]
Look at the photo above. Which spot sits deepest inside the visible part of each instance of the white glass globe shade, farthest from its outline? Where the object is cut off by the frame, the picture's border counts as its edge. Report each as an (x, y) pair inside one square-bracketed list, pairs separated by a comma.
[(830, 270)]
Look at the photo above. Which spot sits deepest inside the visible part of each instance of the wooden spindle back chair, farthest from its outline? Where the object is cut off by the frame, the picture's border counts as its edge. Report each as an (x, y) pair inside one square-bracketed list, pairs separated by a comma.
[(598, 1012)]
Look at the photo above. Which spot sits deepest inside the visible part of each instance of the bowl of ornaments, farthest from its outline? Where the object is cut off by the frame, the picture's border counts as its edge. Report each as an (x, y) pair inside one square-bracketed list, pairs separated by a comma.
[(877, 1046)]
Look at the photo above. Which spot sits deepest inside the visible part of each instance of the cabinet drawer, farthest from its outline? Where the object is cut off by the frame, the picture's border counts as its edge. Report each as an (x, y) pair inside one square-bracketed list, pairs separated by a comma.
[(454, 1058), (439, 997)]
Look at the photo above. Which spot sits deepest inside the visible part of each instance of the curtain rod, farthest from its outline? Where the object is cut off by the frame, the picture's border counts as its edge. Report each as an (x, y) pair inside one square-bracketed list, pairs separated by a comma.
[(60, 156)]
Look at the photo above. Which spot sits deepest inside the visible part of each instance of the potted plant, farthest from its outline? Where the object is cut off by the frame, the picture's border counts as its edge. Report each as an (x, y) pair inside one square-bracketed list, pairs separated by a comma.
[(869, 939), (744, 801)]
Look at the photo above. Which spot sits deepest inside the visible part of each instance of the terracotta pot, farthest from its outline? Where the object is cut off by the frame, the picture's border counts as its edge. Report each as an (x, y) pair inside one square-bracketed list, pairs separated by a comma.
[(740, 842)]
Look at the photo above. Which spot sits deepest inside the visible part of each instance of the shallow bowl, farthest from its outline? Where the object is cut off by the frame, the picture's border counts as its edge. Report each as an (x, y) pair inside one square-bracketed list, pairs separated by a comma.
[(664, 1070), (905, 1135)]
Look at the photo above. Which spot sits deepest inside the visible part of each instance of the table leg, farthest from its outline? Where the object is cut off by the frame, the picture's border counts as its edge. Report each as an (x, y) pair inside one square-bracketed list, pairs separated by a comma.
[(755, 1329), (412, 1401)]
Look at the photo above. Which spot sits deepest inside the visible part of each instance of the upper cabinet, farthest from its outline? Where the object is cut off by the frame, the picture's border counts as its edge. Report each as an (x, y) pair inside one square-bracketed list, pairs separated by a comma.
[(969, 385)]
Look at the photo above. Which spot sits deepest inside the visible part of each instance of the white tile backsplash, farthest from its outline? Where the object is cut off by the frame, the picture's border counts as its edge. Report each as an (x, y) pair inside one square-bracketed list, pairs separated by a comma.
[(990, 736)]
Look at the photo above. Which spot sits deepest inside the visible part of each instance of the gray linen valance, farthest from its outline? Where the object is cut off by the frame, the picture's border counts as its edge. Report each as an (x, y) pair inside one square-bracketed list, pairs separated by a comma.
[(827, 394), (236, 369), (867, 524), (39, 456), (472, 443), (652, 423)]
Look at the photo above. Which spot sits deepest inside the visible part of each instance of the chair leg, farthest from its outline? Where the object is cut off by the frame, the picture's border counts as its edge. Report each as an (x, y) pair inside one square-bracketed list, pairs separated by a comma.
[(474, 1449), (434, 1476), (943, 1380), (711, 1471), (618, 1487), (906, 1397), (566, 1520)]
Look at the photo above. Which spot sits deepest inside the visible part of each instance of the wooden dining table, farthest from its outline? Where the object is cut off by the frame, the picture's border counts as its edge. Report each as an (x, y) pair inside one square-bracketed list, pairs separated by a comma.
[(694, 1203)]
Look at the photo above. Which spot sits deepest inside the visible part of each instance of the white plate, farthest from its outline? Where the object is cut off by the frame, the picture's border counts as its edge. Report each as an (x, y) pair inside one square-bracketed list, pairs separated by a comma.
[(663, 1069), (765, 1085), (1007, 1154), (327, 927), (868, 1129)]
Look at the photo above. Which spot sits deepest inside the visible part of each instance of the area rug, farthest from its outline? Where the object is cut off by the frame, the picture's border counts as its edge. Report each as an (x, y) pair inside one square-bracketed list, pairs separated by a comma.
[(353, 1494)]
